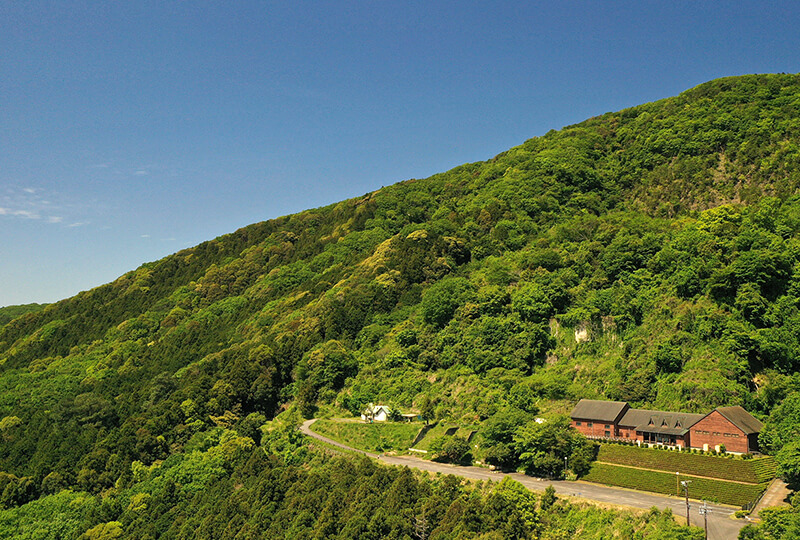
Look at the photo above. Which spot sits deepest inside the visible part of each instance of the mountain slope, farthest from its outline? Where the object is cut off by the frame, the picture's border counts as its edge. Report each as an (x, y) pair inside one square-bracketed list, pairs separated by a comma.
[(648, 255)]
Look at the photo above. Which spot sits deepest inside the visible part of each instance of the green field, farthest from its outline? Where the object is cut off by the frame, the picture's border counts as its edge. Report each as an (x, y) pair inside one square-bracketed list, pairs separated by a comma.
[(376, 437), (753, 471), (663, 482)]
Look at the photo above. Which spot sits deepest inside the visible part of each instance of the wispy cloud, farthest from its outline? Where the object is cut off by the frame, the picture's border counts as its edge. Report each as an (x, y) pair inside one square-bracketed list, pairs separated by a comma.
[(141, 172), (145, 236), (27, 214), (34, 203)]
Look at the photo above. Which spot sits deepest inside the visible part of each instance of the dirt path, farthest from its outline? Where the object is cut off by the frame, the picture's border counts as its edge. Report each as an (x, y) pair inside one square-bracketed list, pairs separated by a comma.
[(721, 523)]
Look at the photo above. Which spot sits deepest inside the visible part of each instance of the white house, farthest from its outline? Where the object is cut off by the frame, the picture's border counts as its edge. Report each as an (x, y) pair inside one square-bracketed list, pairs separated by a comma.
[(376, 413)]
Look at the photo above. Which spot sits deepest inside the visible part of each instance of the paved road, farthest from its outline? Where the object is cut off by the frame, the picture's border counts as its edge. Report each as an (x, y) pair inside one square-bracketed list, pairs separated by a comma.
[(776, 495), (721, 523)]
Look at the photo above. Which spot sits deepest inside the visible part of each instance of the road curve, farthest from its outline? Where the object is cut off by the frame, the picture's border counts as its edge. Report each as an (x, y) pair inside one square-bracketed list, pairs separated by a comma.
[(721, 523)]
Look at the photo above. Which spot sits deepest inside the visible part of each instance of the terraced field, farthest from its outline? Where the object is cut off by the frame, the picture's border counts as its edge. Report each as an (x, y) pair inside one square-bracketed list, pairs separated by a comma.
[(753, 471), (724, 480), (709, 489)]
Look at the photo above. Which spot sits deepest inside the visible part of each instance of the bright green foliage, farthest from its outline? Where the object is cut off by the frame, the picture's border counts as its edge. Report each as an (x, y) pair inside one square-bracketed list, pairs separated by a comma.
[(783, 425), (440, 301), (649, 255), (375, 437), (342, 497), (549, 448), (788, 459), (777, 523), (453, 449), (9, 313)]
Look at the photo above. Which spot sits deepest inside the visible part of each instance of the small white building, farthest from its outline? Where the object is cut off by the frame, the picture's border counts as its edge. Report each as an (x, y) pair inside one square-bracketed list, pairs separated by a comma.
[(376, 413)]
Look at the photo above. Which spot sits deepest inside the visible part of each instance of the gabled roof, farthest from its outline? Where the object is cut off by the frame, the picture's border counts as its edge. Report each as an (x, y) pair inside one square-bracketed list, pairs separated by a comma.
[(375, 409), (668, 423), (599, 410), (741, 419)]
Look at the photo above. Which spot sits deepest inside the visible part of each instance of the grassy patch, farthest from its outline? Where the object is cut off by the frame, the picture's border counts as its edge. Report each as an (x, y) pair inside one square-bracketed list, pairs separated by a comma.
[(434, 433), (754, 471), (664, 482), (377, 437)]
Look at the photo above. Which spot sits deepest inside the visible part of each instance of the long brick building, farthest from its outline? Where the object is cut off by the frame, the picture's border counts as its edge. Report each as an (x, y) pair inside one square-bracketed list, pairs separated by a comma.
[(732, 427)]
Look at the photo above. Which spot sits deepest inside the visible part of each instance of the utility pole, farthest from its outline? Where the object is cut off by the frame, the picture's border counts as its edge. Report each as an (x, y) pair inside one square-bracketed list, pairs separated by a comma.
[(685, 484), (704, 512)]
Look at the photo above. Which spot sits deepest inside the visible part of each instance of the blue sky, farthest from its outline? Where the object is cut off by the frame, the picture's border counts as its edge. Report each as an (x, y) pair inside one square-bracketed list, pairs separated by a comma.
[(131, 130)]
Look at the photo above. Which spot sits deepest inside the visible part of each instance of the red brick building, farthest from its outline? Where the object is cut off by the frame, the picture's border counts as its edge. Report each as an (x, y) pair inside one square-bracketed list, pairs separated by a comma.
[(730, 426), (596, 418)]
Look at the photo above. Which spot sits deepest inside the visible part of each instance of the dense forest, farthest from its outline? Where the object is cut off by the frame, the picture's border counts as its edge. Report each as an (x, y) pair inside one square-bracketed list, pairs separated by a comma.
[(650, 255), (9, 313)]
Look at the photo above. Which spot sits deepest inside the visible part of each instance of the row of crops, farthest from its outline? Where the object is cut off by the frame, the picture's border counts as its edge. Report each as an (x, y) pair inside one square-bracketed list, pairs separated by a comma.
[(754, 471), (663, 482)]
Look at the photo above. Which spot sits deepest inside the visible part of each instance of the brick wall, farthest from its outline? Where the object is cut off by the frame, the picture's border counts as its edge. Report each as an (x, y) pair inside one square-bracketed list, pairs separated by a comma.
[(593, 428), (715, 429)]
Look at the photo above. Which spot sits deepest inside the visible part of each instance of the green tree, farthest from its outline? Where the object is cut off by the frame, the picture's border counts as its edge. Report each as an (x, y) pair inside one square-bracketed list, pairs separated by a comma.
[(441, 300), (782, 426), (788, 460)]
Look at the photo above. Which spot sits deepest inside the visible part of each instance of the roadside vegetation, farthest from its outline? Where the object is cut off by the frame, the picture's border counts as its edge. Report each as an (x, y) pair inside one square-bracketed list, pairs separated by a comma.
[(372, 437), (282, 489)]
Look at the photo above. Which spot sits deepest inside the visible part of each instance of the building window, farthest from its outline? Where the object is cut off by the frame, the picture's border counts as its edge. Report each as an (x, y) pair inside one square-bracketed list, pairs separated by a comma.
[(589, 424), (577, 423), (608, 434), (608, 427)]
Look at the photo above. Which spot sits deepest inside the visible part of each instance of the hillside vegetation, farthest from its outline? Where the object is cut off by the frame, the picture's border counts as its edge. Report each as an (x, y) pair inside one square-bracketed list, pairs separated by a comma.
[(648, 255), (9, 313)]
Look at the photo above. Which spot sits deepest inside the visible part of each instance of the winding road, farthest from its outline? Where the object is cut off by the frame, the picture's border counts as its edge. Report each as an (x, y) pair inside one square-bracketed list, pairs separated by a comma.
[(721, 523)]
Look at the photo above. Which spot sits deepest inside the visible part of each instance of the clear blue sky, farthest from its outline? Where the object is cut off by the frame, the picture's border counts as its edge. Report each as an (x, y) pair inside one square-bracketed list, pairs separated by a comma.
[(130, 130)]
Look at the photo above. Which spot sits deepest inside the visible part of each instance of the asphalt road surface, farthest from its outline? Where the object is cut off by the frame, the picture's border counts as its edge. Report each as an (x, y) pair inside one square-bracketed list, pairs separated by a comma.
[(721, 523)]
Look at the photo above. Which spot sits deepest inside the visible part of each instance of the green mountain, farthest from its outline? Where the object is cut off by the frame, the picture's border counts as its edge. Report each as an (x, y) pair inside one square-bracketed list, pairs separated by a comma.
[(8, 313), (648, 255)]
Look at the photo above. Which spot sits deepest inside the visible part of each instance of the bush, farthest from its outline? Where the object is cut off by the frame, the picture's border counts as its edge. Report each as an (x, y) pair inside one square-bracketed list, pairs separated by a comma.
[(453, 449)]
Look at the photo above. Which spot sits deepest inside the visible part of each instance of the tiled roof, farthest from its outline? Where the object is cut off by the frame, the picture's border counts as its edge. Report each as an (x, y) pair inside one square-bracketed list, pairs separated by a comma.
[(669, 423), (602, 411), (741, 419)]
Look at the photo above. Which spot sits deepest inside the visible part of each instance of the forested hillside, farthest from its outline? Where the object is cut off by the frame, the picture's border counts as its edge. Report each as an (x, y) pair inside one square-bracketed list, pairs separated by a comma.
[(9, 313), (649, 255)]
